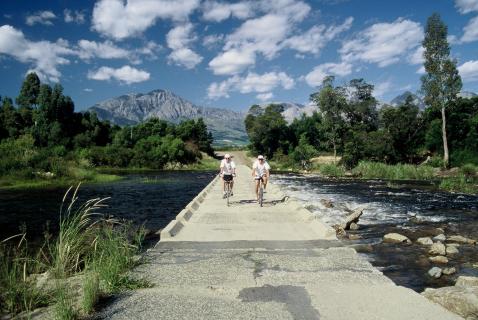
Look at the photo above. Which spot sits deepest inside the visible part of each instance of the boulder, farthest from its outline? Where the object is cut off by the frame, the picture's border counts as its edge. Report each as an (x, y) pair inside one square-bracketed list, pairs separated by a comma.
[(354, 226), (451, 250), (437, 249), (438, 259), (435, 272), (354, 237), (426, 241), (461, 239), (439, 231), (339, 230), (353, 218), (464, 281), (396, 238), (457, 299), (449, 271), (327, 203), (441, 237)]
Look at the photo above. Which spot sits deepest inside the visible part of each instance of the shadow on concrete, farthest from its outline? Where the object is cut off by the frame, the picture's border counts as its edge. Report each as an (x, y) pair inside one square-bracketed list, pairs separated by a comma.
[(296, 299)]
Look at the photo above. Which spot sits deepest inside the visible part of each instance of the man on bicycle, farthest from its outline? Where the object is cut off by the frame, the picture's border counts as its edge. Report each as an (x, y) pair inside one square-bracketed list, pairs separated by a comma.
[(260, 169), (228, 171)]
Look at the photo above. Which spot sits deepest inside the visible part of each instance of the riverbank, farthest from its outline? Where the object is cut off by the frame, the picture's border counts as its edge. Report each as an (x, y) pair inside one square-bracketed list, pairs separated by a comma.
[(47, 180), (462, 180), (70, 272)]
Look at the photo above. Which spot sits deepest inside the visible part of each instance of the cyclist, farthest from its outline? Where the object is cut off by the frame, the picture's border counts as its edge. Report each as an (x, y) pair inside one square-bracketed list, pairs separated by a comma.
[(228, 171), (260, 168)]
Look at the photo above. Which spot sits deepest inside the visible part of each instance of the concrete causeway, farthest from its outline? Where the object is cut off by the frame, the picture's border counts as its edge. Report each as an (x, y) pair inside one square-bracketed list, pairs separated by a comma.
[(248, 262)]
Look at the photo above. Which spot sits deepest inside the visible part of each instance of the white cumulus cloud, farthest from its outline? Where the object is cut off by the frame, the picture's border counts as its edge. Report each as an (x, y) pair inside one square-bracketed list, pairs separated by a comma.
[(178, 39), (41, 17), (263, 35), (105, 50), (219, 11), (44, 56), (121, 19), (318, 74), (469, 71), (74, 16), (125, 74), (466, 6), (315, 39), (252, 83), (384, 43), (470, 31), (265, 96)]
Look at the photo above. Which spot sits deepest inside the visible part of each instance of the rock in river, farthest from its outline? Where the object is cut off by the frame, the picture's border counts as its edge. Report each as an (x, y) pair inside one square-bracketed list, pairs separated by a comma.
[(437, 249), (435, 272), (396, 238), (353, 218), (426, 241), (354, 226), (460, 299), (451, 250), (438, 259), (440, 237), (327, 203), (461, 239), (449, 271)]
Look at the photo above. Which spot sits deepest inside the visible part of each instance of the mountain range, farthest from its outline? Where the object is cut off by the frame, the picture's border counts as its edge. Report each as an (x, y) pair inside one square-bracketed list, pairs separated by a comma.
[(226, 126)]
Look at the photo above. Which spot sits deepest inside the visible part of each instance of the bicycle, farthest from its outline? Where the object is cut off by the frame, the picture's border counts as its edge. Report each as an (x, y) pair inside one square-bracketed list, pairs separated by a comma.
[(228, 189)]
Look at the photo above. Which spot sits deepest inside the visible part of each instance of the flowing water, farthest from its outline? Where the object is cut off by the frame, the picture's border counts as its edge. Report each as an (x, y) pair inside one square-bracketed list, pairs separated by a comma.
[(152, 198), (414, 209)]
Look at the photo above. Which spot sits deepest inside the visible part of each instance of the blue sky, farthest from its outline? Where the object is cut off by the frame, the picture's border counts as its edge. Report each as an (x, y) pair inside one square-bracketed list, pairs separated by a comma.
[(227, 54)]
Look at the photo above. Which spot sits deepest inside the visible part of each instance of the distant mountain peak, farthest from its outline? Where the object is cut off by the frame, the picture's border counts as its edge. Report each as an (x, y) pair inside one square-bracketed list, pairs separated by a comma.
[(132, 108)]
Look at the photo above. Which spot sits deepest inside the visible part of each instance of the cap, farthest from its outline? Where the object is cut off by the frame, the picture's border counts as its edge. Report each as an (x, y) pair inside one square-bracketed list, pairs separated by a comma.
[(260, 157), (227, 156)]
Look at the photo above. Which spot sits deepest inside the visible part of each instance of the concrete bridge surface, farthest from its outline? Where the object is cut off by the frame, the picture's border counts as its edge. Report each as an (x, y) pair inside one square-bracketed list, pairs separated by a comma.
[(248, 262)]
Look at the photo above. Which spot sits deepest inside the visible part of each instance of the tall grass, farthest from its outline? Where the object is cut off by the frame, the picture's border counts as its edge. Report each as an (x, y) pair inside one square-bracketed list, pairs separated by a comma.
[(377, 170), (98, 251), (18, 291), (331, 170), (64, 307), (77, 232), (91, 291)]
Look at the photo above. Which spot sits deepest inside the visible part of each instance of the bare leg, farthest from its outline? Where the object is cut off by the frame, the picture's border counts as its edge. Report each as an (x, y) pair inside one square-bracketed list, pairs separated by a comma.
[(265, 179), (257, 189)]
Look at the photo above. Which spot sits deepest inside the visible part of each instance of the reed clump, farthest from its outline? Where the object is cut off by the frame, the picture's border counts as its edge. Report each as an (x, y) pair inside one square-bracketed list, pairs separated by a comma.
[(89, 258)]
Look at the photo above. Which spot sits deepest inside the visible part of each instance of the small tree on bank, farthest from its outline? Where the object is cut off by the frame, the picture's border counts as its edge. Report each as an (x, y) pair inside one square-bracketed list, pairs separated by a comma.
[(441, 83), (332, 102)]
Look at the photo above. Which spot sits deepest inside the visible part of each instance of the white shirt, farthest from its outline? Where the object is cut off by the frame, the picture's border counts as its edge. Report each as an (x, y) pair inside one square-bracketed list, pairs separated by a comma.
[(227, 167), (259, 168)]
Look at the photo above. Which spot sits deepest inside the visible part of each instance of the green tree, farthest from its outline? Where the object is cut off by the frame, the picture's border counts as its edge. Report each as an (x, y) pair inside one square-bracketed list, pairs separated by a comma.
[(304, 152), (441, 83), (404, 125), (332, 103)]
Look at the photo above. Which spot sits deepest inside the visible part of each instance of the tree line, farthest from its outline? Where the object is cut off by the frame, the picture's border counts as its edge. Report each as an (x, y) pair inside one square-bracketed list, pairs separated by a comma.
[(43, 132), (348, 119)]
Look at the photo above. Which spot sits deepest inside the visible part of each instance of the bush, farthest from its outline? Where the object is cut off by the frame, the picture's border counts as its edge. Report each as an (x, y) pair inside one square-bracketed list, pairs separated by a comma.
[(462, 157)]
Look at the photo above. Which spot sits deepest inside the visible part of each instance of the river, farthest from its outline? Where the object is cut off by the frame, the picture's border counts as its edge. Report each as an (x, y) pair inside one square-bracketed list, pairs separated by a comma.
[(414, 209), (152, 198)]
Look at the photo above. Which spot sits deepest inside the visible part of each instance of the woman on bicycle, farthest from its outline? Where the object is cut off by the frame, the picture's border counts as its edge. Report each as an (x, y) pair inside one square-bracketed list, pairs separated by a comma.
[(228, 171), (260, 169)]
